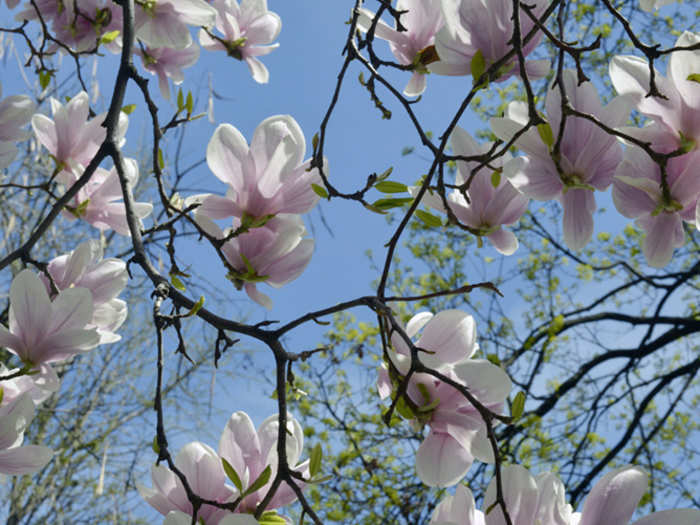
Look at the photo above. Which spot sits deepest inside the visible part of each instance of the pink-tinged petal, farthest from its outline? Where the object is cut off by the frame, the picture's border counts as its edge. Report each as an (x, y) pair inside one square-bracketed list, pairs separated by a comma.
[(384, 386), (614, 497), (682, 64), (664, 232), (10, 341), (552, 509), (195, 12), (416, 85), (514, 120), (15, 421), (534, 178), (227, 156), (506, 206), (45, 131), (291, 266), (417, 322), (579, 205), (505, 241), (441, 461), (520, 494), (697, 214), (264, 29), (24, 460), (65, 344), (72, 309), (239, 444), (488, 382), (273, 132), (671, 517), (537, 68), (451, 334), (297, 195), (382, 29), (164, 496), (258, 70), (30, 308), (216, 207), (686, 188), (8, 152), (457, 509)]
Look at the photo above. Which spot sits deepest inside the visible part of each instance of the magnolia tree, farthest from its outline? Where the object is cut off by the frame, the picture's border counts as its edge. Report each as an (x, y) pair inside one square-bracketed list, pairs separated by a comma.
[(556, 140)]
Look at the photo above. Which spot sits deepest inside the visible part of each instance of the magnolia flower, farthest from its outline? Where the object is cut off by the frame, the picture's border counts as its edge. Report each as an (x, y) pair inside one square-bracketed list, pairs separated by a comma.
[(267, 178), (588, 155), (84, 268), (250, 453), (15, 416), (275, 253), (166, 62), (422, 21), (95, 202), (15, 112), (492, 199), (247, 29), (205, 474), (457, 433), (42, 331), (70, 137), (39, 386), (677, 115), (163, 23), (637, 194), (459, 509), (612, 501), (482, 30)]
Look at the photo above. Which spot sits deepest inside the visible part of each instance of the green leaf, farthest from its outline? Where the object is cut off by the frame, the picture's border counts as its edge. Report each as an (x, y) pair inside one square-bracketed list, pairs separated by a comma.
[(270, 517), (196, 307), (314, 141), (478, 66), (189, 104), (109, 36), (495, 179), (180, 100), (518, 406), (44, 78), (161, 162), (694, 77), (177, 283), (385, 174), (407, 150), (262, 480), (232, 474), (387, 204), (389, 186), (82, 208), (155, 446), (319, 190), (404, 410), (545, 131), (2, 394), (429, 219), (315, 460), (129, 109)]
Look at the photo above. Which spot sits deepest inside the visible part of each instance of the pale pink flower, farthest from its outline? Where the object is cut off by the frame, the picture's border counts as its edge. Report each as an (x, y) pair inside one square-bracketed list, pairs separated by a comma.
[(85, 268), (247, 30), (249, 452), (422, 22), (588, 155), (99, 201), (176, 517), (485, 27), (267, 178), (166, 62), (637, 194), (164, 22), (457, 433), (42, 331), (15, 112), (205, 474), (677, 115), (612, 500), (491, 200), (39, 386), (276, 253), (70, 137), (459, 509), (16, 459)]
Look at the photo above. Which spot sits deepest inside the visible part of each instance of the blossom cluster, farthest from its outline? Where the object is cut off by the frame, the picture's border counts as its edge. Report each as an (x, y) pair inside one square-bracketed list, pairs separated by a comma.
[(53, 317), (247, 457), (541, 501)]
